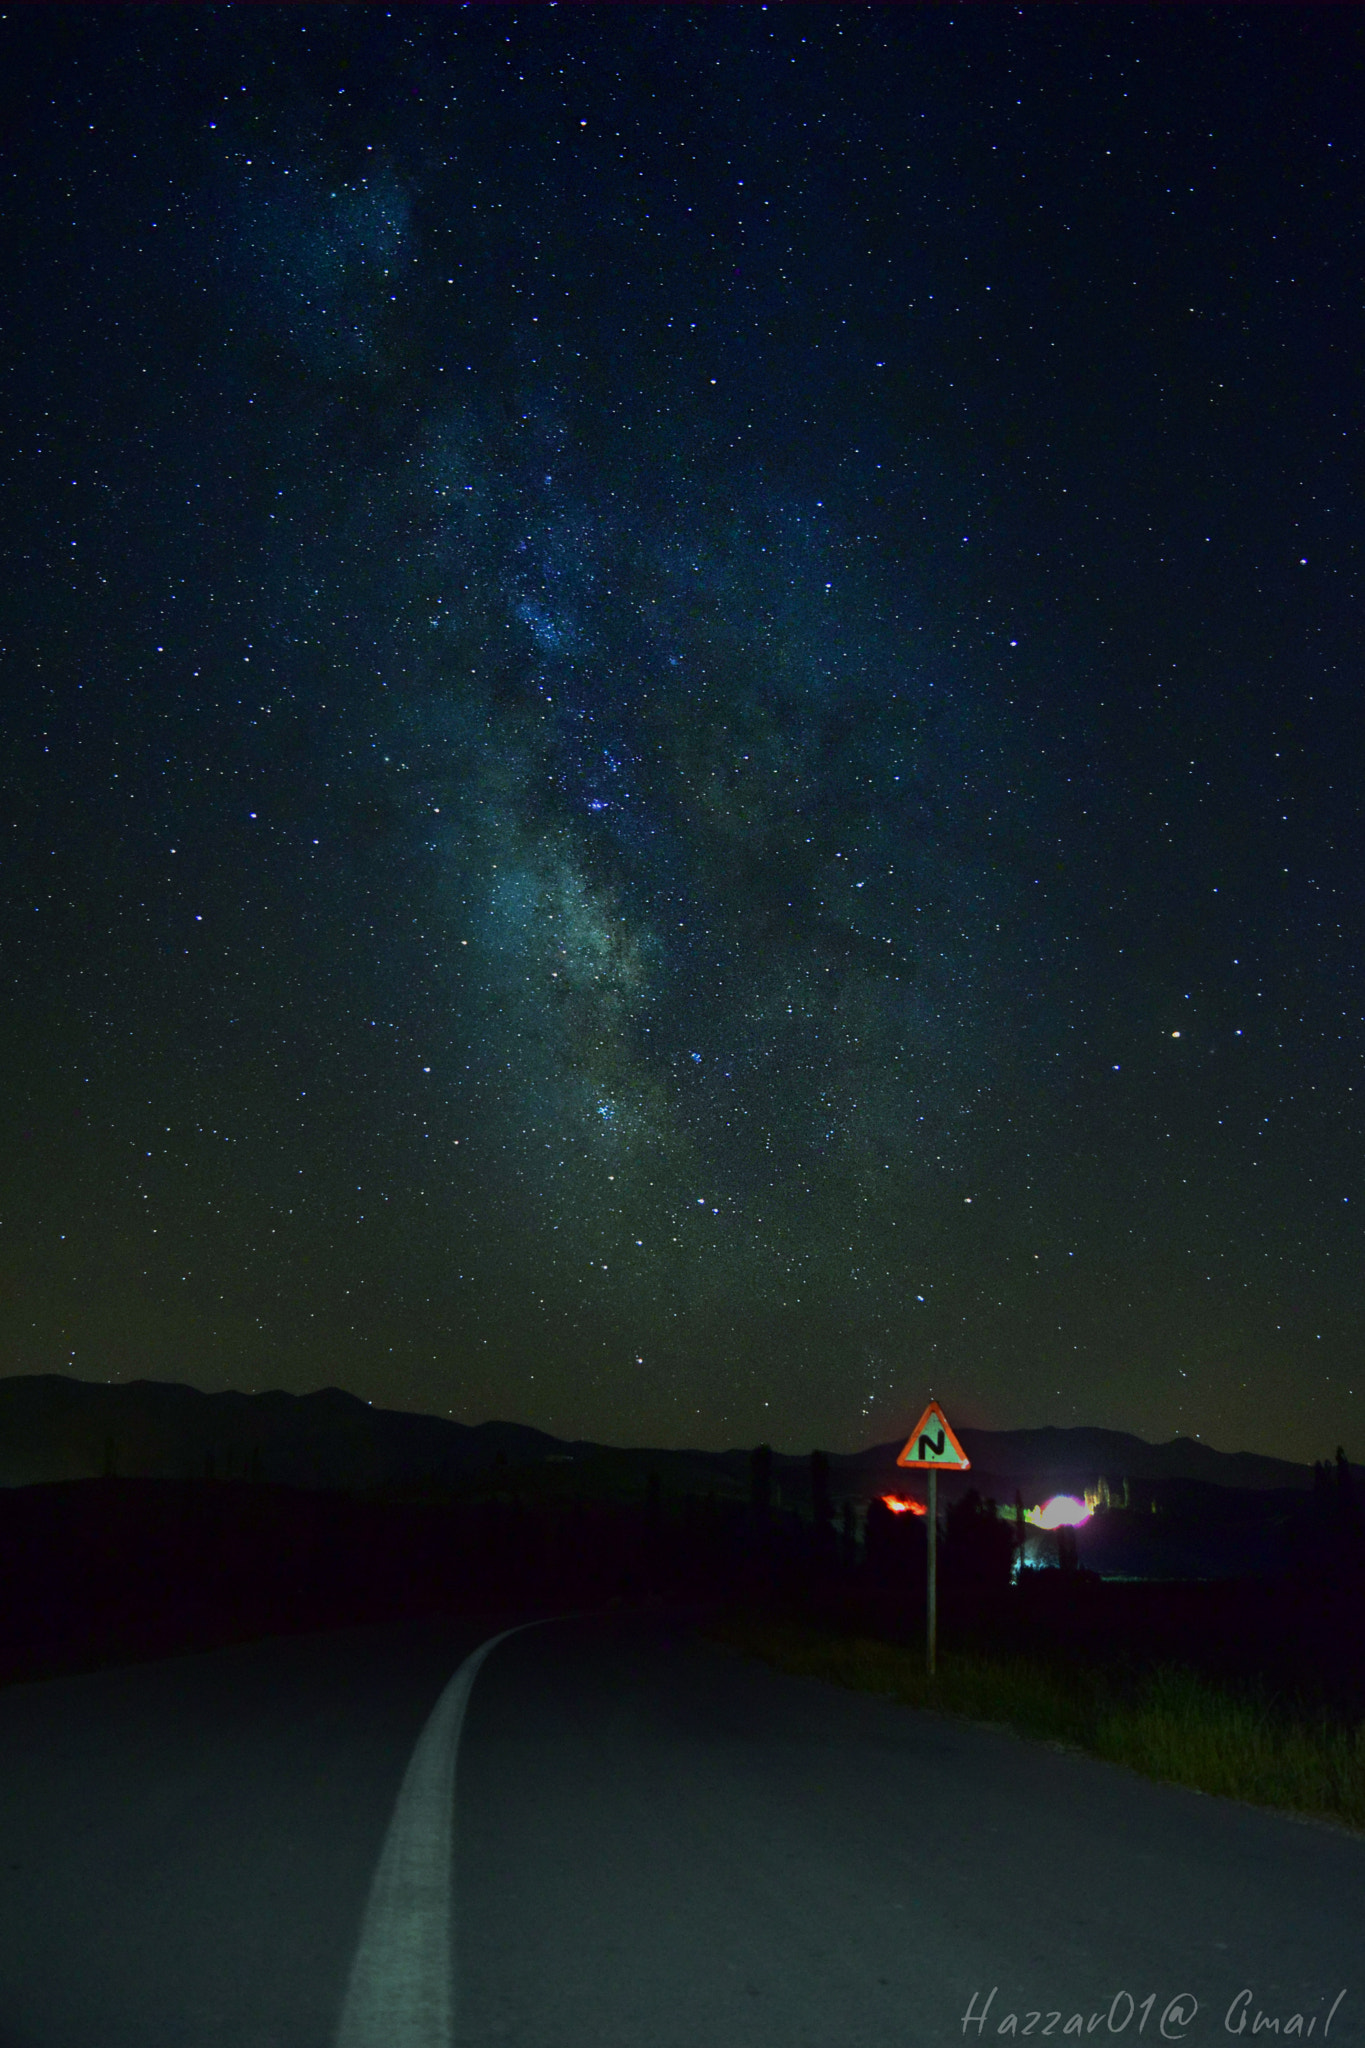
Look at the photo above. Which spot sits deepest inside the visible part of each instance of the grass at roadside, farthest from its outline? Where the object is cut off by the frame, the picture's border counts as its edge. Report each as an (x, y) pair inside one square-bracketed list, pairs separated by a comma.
[(1169, 1724)]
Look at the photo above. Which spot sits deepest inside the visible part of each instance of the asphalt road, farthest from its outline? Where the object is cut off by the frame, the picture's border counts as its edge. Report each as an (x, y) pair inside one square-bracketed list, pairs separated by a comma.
[(655, 1843)]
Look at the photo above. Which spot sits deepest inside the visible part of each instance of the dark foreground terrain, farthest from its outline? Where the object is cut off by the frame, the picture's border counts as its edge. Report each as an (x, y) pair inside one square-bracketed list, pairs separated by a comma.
[(107, 1570), (654, 1841)]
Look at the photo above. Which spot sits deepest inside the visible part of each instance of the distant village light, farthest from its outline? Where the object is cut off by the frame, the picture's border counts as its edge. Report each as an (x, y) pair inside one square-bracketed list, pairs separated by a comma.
[(1063, 1511)]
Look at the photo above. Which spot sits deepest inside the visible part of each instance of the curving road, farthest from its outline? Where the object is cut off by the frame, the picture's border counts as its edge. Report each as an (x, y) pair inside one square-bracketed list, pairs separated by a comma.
[(655, 1843)]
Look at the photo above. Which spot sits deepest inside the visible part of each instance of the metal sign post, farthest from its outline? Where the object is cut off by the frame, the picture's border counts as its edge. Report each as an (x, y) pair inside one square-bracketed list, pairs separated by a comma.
[(933, 1571), (932, 1444)]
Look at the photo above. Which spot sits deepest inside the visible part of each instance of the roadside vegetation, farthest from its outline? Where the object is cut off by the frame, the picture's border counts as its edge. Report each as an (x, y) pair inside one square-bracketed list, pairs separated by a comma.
[(1168, 1723), (1253, 1688)]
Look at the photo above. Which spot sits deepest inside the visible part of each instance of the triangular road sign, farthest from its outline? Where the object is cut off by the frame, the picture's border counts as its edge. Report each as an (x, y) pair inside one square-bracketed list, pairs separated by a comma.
[(932, 1443)]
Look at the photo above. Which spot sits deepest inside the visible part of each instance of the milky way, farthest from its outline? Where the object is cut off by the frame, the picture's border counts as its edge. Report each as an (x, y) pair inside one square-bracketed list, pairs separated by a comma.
[(629, 802)]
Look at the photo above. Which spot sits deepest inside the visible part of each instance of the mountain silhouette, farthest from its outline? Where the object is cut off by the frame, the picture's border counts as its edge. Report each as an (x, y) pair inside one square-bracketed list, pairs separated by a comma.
[(53, 1427)]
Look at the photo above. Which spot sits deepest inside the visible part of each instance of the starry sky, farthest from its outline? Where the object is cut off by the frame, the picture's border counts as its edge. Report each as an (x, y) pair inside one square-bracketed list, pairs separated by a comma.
[(681, 714)]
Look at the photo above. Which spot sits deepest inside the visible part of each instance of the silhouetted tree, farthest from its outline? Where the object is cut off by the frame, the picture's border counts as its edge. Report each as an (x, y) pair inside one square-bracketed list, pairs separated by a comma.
[(1066, 1549), (1317, 1536), (850, 1542), (761, 1477), (653, 1527), (1346, 1495), (822, 1514), (895, 1546), (978, 1548)]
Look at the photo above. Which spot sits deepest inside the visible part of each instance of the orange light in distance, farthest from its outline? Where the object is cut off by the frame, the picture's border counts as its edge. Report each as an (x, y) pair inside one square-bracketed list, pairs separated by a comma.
[(904, 1507)]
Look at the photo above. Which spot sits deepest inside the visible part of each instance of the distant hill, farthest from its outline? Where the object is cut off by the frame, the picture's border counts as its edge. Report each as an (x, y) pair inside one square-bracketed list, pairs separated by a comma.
[(1068, 1460), (52, 1427)]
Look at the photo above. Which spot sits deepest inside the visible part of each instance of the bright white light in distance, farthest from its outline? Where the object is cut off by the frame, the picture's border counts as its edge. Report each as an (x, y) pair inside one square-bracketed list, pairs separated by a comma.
[(1063, 1511)]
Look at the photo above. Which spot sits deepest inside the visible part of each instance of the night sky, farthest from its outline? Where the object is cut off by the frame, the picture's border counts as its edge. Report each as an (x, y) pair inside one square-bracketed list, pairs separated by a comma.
[(682, 714)]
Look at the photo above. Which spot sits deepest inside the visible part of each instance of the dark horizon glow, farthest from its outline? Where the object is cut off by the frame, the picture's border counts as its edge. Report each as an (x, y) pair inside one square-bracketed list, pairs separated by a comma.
[(681, 720)]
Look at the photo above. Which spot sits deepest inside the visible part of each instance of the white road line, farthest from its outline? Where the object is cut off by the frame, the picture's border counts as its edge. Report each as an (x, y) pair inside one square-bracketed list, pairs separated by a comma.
[(400, 1993)]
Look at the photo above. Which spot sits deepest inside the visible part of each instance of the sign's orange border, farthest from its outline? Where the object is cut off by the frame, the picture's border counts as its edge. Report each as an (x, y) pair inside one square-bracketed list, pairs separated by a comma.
[(934, 1415)]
